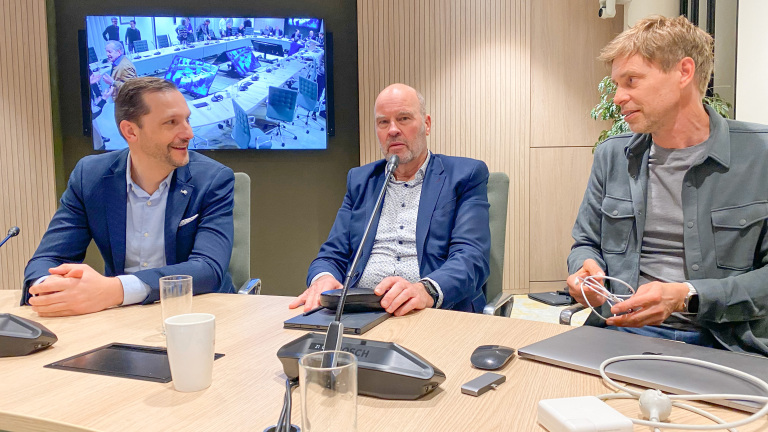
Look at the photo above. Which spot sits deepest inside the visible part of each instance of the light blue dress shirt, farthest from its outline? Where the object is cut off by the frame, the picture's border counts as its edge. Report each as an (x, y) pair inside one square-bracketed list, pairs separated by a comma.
[(144, 235)]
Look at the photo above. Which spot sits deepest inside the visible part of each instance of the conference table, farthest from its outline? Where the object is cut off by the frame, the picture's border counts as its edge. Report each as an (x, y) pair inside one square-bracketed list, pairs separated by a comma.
[(248, 382)]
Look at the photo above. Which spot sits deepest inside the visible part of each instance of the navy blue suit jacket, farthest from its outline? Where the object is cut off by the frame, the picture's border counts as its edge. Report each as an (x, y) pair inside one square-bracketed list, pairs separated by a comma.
[(453, 238), (94, 207)]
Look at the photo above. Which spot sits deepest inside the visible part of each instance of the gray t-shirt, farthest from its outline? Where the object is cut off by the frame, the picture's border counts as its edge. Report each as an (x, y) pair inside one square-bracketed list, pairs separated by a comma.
[(662, 257)]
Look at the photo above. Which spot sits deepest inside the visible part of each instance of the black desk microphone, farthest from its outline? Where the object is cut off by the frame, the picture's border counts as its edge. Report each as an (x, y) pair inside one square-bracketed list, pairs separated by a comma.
[(13, 232)]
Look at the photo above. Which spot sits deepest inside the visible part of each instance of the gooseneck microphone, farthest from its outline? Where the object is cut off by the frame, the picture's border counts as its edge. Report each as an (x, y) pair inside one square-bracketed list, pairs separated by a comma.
[(336, 329), (13, 232)]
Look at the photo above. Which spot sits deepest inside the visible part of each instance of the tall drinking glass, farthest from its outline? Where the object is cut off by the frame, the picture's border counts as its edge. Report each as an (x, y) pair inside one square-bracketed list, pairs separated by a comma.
[(328, 395), (175, 296)]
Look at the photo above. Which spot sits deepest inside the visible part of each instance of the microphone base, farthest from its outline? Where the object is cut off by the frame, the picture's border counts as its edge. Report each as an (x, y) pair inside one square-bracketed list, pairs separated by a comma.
[(294, 428), (20, 336), (385, 370)]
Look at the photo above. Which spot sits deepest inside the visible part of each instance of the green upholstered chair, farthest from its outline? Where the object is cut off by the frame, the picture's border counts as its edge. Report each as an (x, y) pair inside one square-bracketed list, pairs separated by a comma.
[(240, 264), (499, 302)]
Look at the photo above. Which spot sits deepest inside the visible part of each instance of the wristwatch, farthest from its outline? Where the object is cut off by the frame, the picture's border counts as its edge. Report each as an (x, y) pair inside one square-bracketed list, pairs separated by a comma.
[(691, 303), (431, 290)]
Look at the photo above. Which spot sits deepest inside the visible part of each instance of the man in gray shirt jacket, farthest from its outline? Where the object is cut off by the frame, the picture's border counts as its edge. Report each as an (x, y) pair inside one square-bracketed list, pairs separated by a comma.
[(679, 209)]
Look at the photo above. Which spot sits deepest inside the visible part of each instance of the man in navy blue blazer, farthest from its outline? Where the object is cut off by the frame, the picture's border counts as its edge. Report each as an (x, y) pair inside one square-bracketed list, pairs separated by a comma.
[(432, 239), (153, 210)]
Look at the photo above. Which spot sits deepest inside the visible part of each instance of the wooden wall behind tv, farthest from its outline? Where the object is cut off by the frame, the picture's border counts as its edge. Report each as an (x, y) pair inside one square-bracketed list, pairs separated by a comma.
[(294, 194), (27, 184)]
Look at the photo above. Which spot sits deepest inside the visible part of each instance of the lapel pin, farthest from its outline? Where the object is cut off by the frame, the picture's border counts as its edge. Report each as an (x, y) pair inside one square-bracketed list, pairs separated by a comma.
[(184, 191)]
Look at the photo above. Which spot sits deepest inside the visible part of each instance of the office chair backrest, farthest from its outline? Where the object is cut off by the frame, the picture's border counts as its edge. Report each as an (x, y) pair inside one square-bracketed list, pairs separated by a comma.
[(163, 41), (498, 197), (281, 104), (92, 57), (141, 46), (240, 264), (241, 132), (307, 94)]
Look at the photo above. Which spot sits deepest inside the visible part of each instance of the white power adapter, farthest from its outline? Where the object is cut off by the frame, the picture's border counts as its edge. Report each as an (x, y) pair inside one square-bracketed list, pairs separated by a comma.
[(581, 414)]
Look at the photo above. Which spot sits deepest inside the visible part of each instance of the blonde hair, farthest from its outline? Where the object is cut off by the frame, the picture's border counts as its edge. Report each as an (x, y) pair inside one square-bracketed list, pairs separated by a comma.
[(665, 41)]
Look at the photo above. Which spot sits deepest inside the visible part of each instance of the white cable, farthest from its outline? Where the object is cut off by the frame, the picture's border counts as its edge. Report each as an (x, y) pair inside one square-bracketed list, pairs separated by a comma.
[(630, 393), (693, 409), (592, 283)]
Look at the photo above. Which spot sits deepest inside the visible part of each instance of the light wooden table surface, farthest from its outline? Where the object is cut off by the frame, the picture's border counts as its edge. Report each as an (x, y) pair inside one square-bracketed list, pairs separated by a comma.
[(248, 382)]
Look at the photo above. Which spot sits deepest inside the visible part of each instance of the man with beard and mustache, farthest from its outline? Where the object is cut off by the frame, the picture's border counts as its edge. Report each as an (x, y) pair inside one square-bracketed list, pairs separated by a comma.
[(432, 240), (679, 209), (153, 210)]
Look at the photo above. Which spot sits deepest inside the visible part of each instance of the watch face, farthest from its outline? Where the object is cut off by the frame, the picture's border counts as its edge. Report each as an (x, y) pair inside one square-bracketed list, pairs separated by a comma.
[(693, 304)]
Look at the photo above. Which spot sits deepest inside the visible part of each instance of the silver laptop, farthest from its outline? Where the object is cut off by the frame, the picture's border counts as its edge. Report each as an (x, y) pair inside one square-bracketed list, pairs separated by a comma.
[(585, 348)]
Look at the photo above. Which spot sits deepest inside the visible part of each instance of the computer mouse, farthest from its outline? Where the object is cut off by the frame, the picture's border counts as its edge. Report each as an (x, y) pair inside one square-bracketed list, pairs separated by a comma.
[(177, 49), (491, 357), (254, 77), (158, 53), (358, 300)]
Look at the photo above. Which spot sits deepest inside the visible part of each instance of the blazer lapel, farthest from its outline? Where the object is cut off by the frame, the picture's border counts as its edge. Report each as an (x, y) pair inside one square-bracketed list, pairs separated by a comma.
[(115, 197), (434, 179), (179, 194)]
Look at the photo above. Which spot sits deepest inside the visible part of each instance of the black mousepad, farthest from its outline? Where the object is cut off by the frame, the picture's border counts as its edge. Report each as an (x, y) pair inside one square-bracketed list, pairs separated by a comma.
[(122, 360)]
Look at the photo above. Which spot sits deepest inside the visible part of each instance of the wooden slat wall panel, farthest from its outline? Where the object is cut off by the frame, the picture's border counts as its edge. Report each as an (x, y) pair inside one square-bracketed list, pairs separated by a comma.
[(566, 40), (558, 179), (470, 59), (27, 184)]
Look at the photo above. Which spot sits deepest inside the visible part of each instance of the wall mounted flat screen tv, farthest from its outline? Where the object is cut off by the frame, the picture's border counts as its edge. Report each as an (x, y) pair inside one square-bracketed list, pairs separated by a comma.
[(213, 63)]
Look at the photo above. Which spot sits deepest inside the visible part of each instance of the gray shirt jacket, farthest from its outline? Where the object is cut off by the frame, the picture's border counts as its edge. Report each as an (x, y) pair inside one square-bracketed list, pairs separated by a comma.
[(725, 216)]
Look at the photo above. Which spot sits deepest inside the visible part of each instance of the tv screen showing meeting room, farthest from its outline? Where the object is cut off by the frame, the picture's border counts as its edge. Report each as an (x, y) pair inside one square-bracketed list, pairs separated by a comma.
[(249, 82)]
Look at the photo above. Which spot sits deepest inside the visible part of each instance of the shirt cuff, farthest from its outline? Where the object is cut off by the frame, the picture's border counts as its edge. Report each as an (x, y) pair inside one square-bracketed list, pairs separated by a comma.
[(319, 275), (691, 288), (40, 280), (134, 290), (439, 301)]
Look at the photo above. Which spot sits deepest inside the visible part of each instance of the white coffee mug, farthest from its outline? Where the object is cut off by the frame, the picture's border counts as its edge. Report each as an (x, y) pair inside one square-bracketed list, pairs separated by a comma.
[(191, 339)]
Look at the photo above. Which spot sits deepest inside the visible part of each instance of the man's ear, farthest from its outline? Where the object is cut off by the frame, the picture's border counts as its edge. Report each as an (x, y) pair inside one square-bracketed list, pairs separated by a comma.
[(129, 130), (687, 68), (428, 122)]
